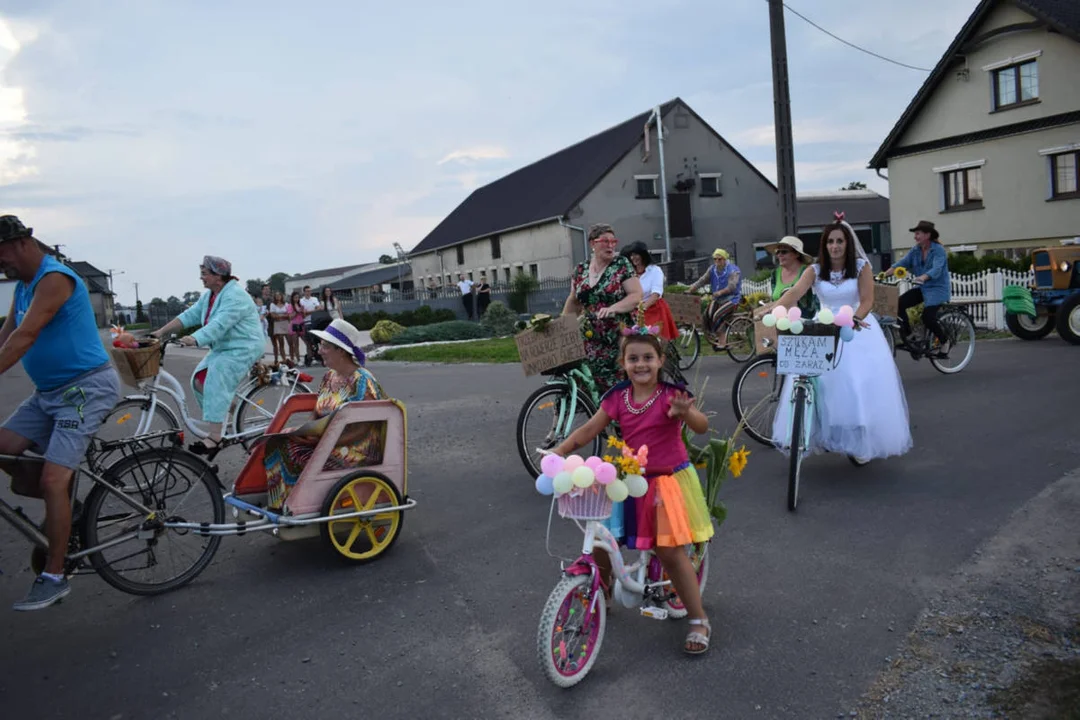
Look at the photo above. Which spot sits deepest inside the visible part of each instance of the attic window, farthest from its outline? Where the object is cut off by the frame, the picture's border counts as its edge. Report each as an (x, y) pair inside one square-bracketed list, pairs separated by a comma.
[(710, 184), (1015, 85), (646, 186)]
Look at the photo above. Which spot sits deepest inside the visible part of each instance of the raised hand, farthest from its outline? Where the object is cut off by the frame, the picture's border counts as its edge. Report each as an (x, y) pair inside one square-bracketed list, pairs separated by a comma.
[(680, 404)]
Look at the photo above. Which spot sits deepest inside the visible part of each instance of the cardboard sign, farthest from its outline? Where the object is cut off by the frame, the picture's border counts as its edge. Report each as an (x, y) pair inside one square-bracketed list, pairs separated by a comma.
[(764, 337), (886, 300), (686, 309), (558, 344), (805, 354)]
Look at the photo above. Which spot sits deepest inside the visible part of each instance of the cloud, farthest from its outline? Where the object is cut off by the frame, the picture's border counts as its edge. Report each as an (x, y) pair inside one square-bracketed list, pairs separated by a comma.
[(473, 154)]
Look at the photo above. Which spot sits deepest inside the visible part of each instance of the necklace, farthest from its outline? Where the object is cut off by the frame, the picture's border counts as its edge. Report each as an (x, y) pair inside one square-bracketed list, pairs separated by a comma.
[(643, 408), (836, 277)]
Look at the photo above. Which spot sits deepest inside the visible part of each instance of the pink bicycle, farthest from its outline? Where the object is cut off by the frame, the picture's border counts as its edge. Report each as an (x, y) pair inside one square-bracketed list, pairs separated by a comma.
[(574, 618)]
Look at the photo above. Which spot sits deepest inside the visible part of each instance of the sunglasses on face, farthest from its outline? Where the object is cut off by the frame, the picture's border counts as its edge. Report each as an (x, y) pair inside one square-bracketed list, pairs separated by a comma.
[(782, 251)]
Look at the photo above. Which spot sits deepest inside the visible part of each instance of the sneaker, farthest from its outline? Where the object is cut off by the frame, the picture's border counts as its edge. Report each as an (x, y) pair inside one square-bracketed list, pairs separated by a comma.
[(43, 593)]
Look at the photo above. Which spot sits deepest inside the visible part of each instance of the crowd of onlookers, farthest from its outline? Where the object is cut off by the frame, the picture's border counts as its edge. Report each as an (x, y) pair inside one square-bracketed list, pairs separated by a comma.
[(287, 322)]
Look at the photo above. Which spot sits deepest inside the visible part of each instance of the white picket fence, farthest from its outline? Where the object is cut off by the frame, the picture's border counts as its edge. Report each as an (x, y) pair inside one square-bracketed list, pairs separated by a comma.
[(983, 289)]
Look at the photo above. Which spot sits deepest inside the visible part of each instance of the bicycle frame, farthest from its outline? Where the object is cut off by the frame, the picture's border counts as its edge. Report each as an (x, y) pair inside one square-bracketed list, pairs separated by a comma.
[(20, 522), (573, 379), (632, 577), (809, 384)]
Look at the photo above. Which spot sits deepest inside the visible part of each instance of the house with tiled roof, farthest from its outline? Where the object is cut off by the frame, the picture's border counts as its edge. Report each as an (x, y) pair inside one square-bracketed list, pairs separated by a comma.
[(100, 289), (989, 147), (535, 219)]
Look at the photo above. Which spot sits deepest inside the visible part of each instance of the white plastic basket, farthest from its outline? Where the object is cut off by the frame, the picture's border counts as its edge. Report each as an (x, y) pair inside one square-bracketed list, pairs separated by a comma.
[(591, 503)]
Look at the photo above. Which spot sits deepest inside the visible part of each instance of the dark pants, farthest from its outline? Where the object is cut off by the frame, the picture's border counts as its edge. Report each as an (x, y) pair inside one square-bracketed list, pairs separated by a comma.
[(909, 300), (482, 302), (468, 300)]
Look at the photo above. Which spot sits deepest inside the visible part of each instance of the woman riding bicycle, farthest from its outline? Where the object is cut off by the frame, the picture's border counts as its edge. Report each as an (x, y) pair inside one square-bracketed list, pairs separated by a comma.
[(791, 263), (725, 283), (861, 410), (606, 287), (651, 276), (232, 331)]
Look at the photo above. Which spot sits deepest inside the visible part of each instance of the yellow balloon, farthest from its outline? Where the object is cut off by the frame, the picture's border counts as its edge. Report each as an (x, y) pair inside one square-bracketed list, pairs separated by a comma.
[(583, 476), (617, 491)]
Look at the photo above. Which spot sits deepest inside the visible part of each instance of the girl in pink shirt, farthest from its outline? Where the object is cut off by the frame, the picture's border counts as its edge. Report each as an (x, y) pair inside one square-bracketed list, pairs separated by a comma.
[(673, 513)]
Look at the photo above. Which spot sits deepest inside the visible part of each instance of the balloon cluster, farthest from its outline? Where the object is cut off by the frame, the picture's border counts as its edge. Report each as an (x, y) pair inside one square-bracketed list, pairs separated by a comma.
[(563, 475), (786, 320)]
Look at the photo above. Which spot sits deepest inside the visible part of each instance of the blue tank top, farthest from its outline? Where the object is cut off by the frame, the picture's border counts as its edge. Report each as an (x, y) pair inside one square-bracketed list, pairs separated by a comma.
[(69, 345)]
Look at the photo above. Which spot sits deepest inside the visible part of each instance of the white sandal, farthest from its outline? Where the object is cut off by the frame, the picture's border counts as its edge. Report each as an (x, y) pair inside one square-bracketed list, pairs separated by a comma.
[(698, 638)]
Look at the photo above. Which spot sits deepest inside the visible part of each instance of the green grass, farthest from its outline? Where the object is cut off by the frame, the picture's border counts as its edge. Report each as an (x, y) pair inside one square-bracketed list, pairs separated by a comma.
[(499, 350)]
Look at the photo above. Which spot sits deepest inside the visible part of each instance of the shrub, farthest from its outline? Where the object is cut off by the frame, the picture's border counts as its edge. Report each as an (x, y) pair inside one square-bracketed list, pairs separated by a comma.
[(498, 319), (423, 315), (441, 332), (385, 331), (520, 287)]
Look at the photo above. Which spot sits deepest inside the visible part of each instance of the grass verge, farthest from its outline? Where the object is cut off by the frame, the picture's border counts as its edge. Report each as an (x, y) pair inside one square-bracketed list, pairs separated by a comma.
[(498, 350)]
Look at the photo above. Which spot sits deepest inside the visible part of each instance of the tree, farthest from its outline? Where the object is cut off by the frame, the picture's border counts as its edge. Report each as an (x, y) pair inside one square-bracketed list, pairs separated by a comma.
[(277, 281), (254, 287), (157, 301), (140, 316), (387, 259), (191, 297), (174, 305), (855, 185)]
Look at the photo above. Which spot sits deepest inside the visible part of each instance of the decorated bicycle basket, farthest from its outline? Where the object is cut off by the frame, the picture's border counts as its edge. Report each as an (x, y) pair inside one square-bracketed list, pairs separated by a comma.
[(548, 343), (585, 488), (136, 360), (810, 348)]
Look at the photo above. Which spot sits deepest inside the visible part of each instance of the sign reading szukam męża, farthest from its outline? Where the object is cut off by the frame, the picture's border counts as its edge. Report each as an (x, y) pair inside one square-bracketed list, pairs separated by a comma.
[(558, 344), (805, 354)]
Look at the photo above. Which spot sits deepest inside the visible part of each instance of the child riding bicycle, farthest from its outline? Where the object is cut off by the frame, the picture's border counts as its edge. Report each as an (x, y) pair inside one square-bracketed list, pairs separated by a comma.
[(672, 513)]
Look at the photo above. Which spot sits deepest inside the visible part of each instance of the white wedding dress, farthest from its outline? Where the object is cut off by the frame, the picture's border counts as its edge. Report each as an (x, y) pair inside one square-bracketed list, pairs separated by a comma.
[(860, 408)]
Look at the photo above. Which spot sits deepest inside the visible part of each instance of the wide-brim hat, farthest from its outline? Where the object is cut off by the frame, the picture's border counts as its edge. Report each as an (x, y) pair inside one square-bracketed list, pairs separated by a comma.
[(792, 242), (345, 336), (927, 227)]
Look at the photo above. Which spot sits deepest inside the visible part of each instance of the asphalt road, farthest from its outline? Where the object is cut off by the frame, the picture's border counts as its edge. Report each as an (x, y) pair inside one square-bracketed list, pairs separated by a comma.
[(805, 607)]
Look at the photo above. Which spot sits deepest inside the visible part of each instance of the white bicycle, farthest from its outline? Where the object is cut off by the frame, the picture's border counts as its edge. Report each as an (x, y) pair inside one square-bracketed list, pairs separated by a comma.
[(254, 404)]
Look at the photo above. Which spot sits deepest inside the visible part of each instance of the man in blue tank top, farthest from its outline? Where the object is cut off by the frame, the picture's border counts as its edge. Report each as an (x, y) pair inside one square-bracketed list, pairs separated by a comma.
[(51, 329)]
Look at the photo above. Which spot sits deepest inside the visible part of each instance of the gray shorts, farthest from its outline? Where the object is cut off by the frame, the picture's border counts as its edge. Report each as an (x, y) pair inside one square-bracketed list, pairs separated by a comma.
[(60, 423)]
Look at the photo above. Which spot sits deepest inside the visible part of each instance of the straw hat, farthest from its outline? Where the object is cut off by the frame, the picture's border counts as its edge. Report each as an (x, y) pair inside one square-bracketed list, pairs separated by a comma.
[(345, 336), (792, 242)]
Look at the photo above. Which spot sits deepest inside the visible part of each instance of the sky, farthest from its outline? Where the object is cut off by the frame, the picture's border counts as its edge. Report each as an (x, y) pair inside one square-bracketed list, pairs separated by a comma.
[(292, 136)]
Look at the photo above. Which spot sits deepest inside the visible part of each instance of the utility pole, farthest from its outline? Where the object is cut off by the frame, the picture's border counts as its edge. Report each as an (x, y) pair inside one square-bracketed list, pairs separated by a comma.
[(785, 146), (136, 292)]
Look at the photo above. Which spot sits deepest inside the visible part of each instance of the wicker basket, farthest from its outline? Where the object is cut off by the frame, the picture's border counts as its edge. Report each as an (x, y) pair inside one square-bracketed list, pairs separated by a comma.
[(592, 503), (137, 364)]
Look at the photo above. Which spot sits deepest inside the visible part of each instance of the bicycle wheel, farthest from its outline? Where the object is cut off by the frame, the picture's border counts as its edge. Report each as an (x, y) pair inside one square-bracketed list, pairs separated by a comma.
[(699, 557), (740, 339), (755, 395), (569, 637), (798, 420), (362, 539), (689, 346), (960, 332), (179, 487), (259, 405), (546, 420), (890, 338), (130, 414)]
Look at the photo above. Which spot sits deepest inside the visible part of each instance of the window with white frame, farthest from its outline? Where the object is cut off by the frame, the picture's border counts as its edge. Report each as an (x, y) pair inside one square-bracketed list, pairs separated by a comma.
[(961, 186), (645, 186), (710, 184), (1014, 81)]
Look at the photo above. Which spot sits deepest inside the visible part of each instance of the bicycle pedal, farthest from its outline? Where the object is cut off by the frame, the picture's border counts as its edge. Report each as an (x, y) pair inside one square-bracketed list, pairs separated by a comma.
[(656, 613)]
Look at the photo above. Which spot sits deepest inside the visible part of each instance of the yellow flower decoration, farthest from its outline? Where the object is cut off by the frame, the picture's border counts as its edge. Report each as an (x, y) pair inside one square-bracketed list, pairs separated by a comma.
[(608, 458), (613, 441), (900, 273), (737, 461)]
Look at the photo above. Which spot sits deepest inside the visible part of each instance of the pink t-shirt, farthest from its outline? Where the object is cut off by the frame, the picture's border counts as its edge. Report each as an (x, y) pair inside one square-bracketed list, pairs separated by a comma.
[(653, 427)]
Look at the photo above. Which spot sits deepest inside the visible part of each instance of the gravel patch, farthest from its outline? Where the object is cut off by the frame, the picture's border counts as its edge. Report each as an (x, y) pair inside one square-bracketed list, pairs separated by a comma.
[(1003, 639)]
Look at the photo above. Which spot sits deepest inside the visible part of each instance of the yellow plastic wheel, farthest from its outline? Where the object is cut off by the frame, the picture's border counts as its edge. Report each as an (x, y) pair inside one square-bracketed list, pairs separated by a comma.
[(362, 539)]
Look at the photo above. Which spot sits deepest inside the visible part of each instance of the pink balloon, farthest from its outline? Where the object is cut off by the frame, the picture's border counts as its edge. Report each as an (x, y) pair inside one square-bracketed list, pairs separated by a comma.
[(593, 462), (780, 312), (572, 463), (605, 473), (794, 314), (551, 465), (847, 310)]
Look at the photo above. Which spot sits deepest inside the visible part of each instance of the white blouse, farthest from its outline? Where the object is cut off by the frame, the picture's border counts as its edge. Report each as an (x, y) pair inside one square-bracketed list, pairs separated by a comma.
[(652, 281)]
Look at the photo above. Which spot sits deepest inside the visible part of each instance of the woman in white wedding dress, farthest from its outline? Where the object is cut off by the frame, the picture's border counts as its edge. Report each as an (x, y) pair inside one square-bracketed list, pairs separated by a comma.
[(860, 408)]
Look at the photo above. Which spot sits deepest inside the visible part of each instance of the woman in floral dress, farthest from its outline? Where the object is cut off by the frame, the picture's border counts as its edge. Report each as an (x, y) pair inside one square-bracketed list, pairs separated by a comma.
[(361, 444), (608, 290)]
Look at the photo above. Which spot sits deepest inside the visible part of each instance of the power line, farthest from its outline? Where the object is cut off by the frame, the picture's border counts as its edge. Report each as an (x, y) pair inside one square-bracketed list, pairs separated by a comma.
[(850, 44)]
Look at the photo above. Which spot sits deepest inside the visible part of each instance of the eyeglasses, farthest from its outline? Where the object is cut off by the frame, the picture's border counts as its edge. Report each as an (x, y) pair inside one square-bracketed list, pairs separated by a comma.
[(610, 243)]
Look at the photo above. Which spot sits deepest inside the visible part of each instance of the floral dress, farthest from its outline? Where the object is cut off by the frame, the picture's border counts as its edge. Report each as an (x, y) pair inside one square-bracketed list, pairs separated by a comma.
[(289, 452), (602, 336)]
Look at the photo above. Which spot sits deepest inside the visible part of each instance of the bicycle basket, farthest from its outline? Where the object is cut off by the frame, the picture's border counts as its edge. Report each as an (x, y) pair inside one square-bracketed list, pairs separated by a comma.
[(591, 503), (137, 364)]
